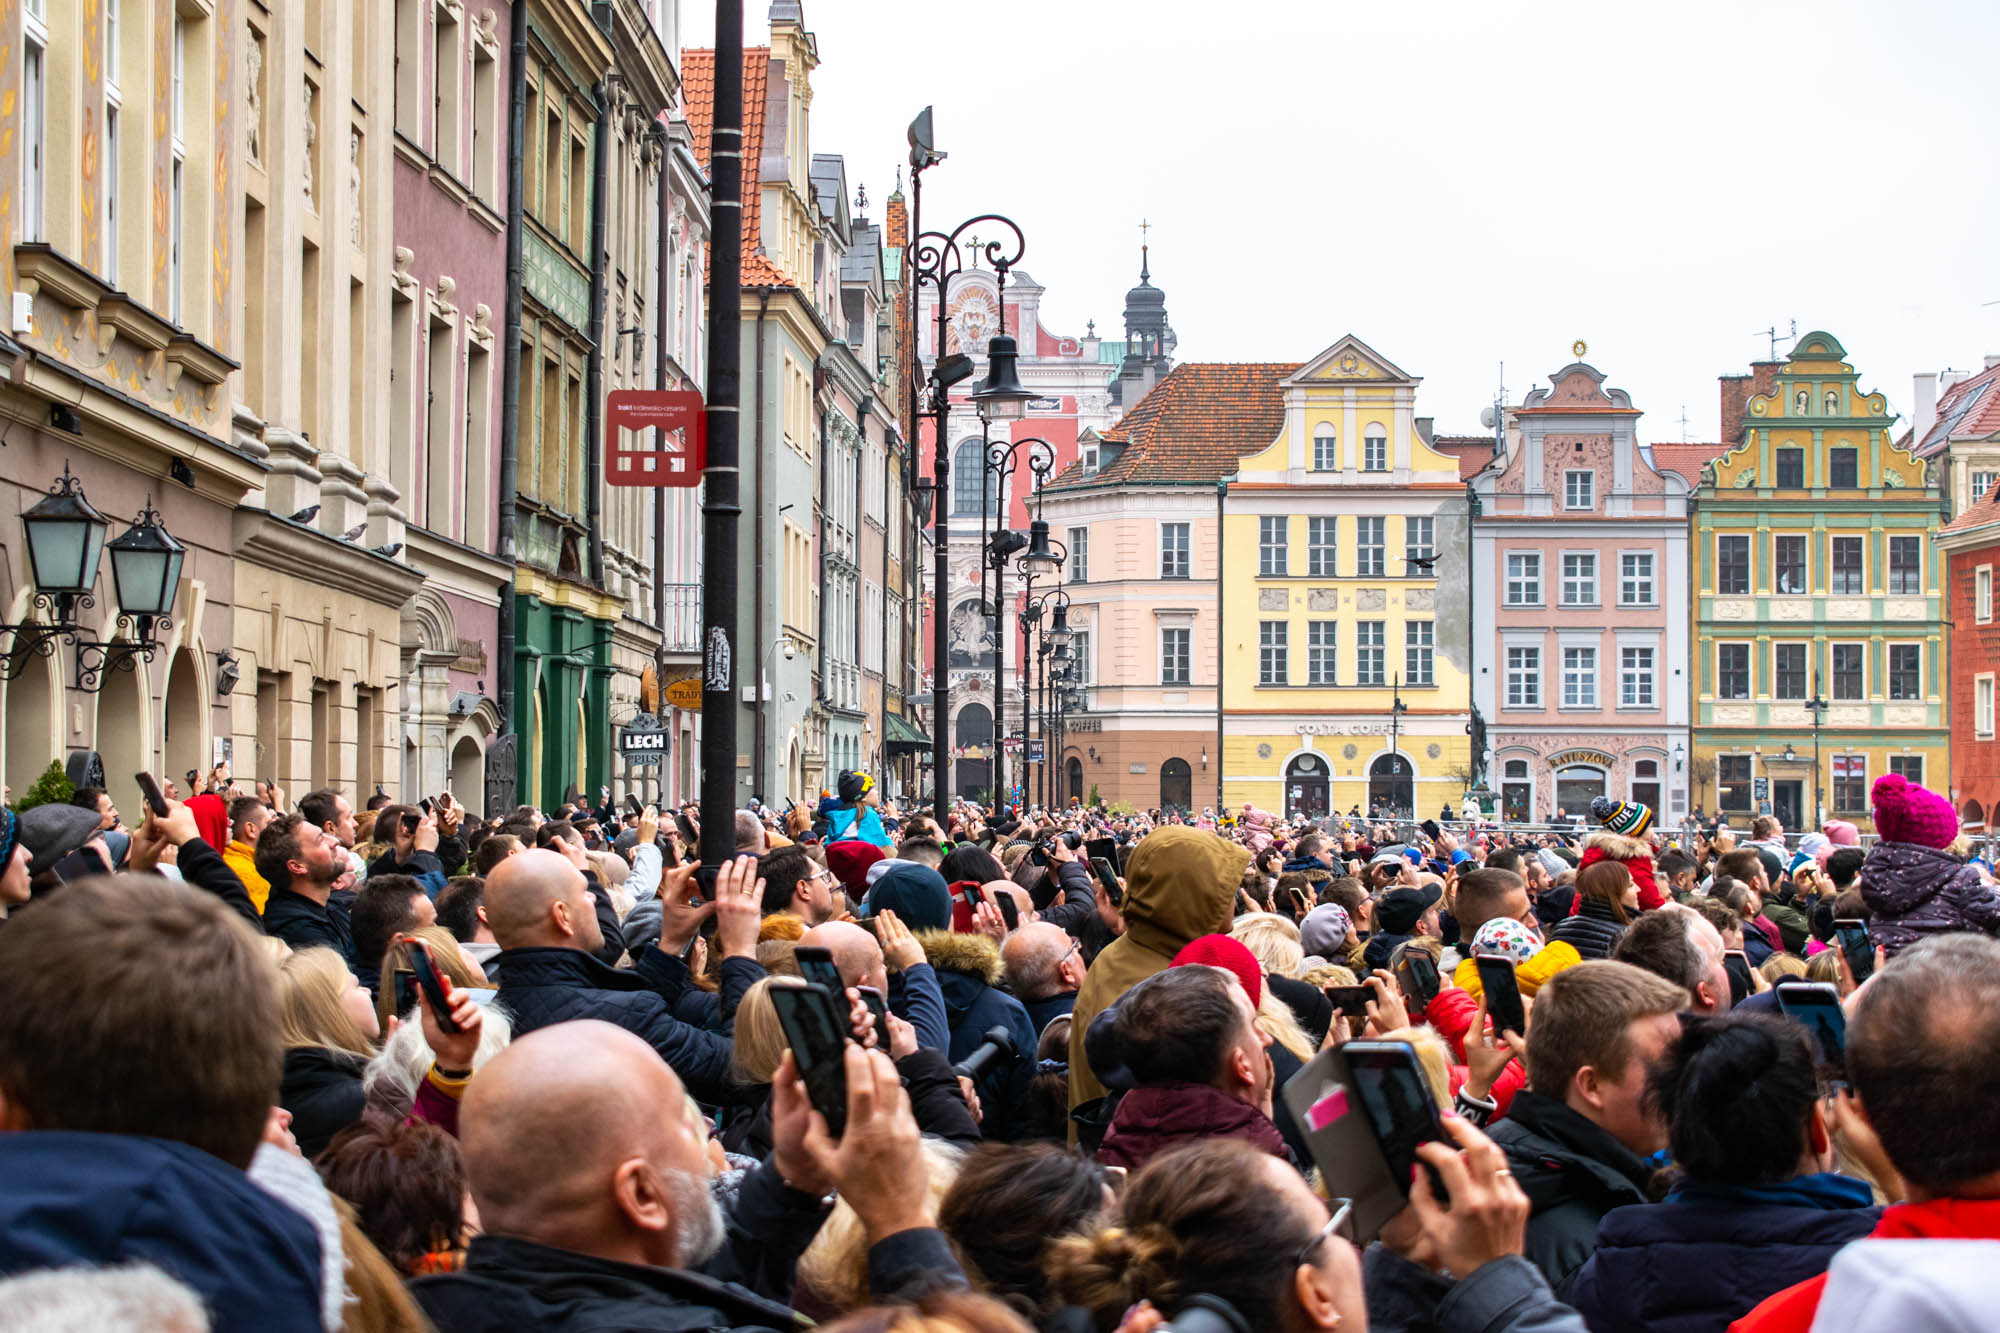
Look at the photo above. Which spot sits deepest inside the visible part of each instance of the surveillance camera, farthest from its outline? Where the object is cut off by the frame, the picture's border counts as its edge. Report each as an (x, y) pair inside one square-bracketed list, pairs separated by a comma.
[(790, 651)]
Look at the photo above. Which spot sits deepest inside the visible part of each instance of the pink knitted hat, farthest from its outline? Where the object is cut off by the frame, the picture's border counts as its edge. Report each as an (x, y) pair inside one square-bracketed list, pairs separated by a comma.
[(1841, 833), (1904, 813)]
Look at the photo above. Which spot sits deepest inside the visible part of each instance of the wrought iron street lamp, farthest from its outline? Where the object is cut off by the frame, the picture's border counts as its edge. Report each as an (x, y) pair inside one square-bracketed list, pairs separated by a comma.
[(1818, 707), (1396, 710)]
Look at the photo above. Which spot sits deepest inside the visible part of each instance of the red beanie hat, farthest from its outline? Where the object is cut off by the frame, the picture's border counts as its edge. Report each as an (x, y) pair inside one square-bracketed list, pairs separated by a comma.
[(1904, 813), (849, 860), (1231, 955)]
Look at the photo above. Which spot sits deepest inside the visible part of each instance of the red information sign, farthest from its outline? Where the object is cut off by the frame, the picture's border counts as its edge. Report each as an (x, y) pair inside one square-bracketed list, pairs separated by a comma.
[(639, 460)]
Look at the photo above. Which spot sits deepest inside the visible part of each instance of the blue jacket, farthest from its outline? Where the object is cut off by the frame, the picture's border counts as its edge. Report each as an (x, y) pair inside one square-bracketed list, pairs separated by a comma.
[(863, 822), (1711, 1252), (542, 987), (967, 968), (96, 1199)]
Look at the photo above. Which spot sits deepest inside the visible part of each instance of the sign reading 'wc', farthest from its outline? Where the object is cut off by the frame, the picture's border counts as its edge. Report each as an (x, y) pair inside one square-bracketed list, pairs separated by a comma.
[(635, 456)]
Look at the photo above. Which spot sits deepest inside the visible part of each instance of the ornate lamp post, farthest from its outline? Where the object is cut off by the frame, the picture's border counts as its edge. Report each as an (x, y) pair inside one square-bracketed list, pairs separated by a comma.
[(1818, 707)]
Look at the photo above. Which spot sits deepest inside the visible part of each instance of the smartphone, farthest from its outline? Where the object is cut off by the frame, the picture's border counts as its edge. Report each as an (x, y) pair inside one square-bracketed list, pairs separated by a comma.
[(816, 1031), (1854, 942), (1010, 911), (817, 967), (704, 885), (1105, 848), (1350, 1000), (632, 806), (1503, 994), (1396, 1098), (1417, 974), (194, 782), (425, 805), (410, 822), (880, 1008), (1108, 878), (156, 801), (432, 984), (1817, 1005)]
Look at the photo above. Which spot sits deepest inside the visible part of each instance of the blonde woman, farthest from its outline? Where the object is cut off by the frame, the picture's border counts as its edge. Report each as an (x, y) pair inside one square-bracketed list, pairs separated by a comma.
[(327, 1023), (833, 1272), (1275, 942)]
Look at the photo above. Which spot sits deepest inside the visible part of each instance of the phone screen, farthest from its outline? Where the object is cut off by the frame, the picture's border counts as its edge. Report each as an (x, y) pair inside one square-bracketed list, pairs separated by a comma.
[(1397, 1101), (1104, 848), (1503, 994), (632, 805), (433, 986), (815, 1032), (1418, 976), (880, 1009), (1108, 878), (155, 800), (1817, 1005), (1350, 1000), (1010, 911), (1860, 950), (817, 966)]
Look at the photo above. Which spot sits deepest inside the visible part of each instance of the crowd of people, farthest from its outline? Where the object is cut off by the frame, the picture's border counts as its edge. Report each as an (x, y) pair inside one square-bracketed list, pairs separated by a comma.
[(293, 1064)]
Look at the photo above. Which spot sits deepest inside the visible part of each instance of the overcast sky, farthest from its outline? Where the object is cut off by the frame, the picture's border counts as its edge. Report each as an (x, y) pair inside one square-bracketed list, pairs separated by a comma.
[(1462, 184)]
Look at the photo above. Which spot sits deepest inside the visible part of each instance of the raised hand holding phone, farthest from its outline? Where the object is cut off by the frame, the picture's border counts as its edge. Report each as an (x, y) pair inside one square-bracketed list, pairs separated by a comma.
[(451, 1030)]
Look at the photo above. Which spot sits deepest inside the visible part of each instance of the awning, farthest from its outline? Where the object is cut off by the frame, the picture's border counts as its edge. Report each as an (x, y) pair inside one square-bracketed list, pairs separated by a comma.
[(898, 734)]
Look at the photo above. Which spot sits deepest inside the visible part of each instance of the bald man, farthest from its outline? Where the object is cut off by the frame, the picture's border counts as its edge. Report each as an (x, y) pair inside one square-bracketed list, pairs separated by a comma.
[(864, 960), (591, 1182), (1044, 970), (544, 917)]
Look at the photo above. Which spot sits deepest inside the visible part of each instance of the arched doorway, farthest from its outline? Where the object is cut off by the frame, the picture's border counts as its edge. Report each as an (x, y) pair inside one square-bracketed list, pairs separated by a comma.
[(1391, 786), (974, 732), (1517, 792), (468, 773), (121, 739), (1176, 785), (183, 742), (1646, 783), (1306, 786), (30, 740), (1073, 768), (1576, 787)]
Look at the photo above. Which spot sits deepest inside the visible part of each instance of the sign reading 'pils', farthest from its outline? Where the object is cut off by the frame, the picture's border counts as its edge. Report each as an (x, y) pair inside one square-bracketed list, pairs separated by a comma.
[(635, 456)]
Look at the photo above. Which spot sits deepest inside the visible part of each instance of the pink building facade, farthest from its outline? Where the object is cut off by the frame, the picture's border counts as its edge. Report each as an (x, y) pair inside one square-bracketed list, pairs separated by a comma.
[(1580, 608)]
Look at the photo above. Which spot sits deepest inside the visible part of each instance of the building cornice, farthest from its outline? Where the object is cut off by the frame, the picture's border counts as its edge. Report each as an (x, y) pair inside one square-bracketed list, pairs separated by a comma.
[(457, 568), (270, 542)]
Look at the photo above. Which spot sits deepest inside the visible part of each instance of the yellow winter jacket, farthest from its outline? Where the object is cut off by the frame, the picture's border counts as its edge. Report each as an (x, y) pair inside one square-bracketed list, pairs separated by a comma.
[(1554, 957), (238, 856)]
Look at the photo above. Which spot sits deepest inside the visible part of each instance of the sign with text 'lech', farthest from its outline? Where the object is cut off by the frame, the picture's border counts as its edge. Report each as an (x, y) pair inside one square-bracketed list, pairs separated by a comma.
[(635, 456), (643, 741)]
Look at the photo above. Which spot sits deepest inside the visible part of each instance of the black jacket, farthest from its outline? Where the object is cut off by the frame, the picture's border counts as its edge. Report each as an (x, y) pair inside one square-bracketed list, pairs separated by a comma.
[(936, 1099), (1574, 1173), (1505, 1296), (1308, 1004), (541, 987), (322, 1090), (1077, 893), (202, 867), (303, 923), (1592, 931)]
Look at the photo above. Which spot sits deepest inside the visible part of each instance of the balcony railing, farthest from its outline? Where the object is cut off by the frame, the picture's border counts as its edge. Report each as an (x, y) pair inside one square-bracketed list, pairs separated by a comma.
[(680, 618)]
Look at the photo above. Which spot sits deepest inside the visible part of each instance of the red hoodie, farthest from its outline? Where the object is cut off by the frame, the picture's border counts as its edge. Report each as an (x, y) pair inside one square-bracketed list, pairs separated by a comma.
[(1792, 1310), (1633, 855), (211, 816)]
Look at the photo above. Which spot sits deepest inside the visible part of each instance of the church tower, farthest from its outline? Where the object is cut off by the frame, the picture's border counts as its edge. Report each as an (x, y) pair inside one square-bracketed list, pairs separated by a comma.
[(1149, 338)]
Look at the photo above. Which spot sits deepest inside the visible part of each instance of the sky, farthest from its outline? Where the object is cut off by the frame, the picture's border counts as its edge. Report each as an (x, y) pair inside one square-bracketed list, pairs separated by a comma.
[(1461, 185)]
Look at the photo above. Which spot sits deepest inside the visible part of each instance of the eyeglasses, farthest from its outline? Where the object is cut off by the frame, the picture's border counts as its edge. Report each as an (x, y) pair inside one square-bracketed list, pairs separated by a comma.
[(1343, 1209)]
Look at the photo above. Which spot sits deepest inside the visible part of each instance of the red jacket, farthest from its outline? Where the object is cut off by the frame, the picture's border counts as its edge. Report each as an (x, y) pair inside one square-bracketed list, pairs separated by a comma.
[(1450, 1016), (1792, 1310)]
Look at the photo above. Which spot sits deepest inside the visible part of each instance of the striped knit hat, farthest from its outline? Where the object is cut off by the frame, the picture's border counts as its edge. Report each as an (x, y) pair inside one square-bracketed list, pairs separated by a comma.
[(1628, 818)]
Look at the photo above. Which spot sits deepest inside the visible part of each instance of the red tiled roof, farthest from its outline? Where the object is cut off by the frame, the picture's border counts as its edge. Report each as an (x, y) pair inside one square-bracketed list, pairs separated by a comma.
[(1194, 426), (1984, 511), (1687, 459), (1968, 410), (1473, 452), (698, 85)]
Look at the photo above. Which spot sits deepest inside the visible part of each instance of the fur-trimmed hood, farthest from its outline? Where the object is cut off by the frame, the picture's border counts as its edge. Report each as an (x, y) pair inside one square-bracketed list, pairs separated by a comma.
[(1618, 847), (969, 955)]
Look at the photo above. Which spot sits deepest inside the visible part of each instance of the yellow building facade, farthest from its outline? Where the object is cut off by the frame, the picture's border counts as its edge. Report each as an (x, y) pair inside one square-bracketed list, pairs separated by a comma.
[(1345, 615)]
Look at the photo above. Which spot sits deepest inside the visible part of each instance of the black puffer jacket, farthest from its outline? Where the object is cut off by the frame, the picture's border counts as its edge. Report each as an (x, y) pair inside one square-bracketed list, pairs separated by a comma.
[(1592, 931), (322, 1090), (1574, 1173), (1913, 891)]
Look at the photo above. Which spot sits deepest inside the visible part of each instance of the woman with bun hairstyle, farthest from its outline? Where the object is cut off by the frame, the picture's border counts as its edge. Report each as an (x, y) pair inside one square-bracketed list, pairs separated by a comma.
[(1754, 1206)]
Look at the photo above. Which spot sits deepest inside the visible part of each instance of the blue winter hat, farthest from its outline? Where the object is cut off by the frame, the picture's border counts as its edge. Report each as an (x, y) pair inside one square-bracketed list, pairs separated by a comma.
[(10, 835), (916, 894)]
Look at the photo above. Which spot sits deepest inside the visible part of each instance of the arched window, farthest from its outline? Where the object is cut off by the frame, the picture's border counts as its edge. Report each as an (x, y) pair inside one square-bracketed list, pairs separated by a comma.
[(968, 473), (1075, 769), (1176, 785), (1306, 787), (1326, 448), (1391, 786)]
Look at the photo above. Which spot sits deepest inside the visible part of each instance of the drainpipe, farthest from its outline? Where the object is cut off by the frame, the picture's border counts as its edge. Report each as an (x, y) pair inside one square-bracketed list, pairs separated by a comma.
[(593, 393), (825, 547), (663, 209), (510, 354), (1221, 492), (759, 648)]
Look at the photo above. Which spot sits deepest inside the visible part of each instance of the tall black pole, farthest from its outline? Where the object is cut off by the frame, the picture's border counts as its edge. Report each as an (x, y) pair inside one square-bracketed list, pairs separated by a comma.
[(510, 373), (1000, 688), (721, 478)]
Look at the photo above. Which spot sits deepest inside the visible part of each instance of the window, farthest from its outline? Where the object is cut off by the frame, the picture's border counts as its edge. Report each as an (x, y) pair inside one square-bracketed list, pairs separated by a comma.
[(1635, 578), (35, 123), (1791, 469), (1579, 678), (1079, 555), (1370, 652), (1982, 482), (1635, 678), (1419, 544), (1906, 568), (1320, 547), (1732, 782), (1524, 578), (1982, 594), (1271, 547), (1847, 671), (1326, 450), (1849, 556), (1850, 784), (1732, 564), (1079, 657), (177, 172), (968, 478), (447, 99), (1321, 638), (1982, 706), (1374, 450), (1909, 767), (1579, 579), (1732, 671), (110, 188), (1788, 555), (1843, 467), (1271, 652), (1418, 642), (485, 124), (1579, 489), (1368, 546), (1906, 671), (1175, 652), (1524, 678), (1174, 551), (1788, 669)]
